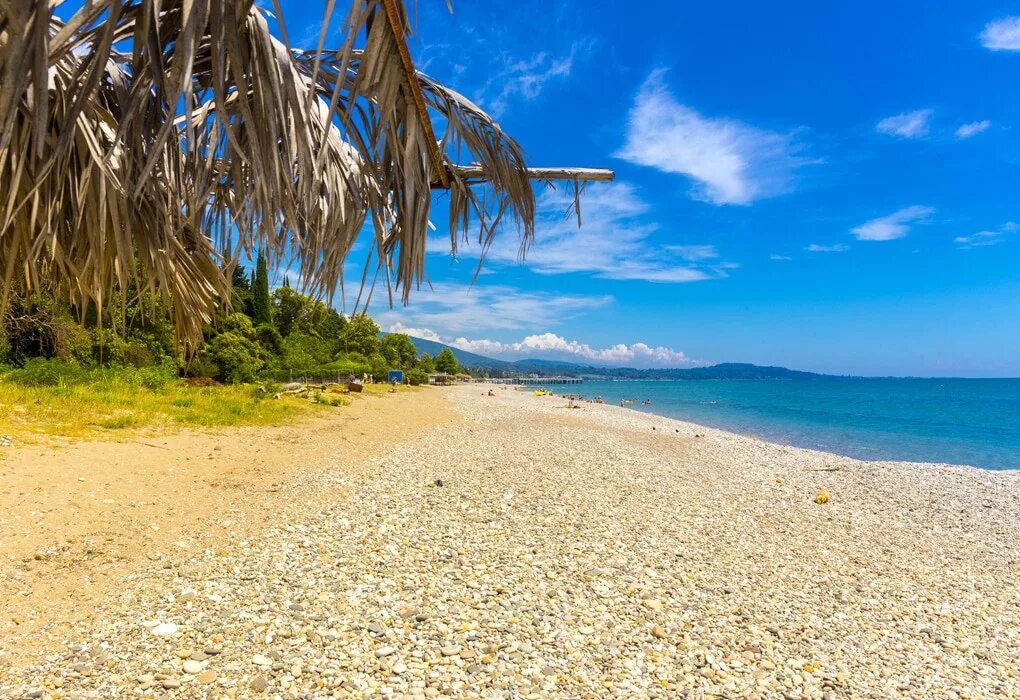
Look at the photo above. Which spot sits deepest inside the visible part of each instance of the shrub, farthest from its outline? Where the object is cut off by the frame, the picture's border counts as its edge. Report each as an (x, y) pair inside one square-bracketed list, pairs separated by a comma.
[(137, 354), (350, 363), (239, 358), (269, 338), (203, 367), (379, 367), (303, 353), (107, 347), (415, 377), (40, 371), (239, 324), (155, 377)]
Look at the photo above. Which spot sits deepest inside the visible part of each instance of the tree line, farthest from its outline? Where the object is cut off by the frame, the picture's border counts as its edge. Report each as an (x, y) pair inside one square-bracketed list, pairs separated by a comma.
[(262, 333)]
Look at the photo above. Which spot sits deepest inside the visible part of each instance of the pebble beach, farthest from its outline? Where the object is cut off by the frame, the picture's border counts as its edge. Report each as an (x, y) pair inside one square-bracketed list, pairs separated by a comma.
[(525, 549)]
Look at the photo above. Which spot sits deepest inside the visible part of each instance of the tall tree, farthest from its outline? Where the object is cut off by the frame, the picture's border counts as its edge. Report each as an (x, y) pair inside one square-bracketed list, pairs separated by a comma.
[(446, 361), (262, 305), (425, 363), (399, 350), (361, 335)]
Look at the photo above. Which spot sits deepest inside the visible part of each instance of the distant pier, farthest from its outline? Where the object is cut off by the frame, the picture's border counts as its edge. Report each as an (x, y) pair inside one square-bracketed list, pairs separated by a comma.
[(534, 381)]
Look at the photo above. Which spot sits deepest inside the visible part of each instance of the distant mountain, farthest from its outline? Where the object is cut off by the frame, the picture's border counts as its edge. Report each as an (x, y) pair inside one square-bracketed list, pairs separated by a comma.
[(466, 359), (726, 370)]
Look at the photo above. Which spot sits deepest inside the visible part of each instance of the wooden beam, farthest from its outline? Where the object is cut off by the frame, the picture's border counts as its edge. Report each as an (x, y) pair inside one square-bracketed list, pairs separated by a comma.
[(476, 172), (411, 79)]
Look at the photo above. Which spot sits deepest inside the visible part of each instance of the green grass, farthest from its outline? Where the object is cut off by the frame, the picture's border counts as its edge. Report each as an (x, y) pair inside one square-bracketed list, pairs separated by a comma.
[(110, 402)]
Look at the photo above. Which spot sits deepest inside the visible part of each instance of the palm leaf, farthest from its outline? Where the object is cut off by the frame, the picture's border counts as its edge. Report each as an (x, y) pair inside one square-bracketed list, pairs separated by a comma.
[(140, 137)]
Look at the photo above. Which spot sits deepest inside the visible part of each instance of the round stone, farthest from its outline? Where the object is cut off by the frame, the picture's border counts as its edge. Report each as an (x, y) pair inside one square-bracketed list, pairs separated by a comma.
[(165, 629)]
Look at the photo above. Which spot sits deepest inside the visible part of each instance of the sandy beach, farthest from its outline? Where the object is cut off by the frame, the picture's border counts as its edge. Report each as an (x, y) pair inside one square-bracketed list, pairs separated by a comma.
[(506, 546)]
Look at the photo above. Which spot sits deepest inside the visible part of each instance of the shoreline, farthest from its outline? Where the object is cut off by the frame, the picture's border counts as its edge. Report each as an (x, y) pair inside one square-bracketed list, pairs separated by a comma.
[(777, 443), (651, 417), (516, 548), (866, 436)]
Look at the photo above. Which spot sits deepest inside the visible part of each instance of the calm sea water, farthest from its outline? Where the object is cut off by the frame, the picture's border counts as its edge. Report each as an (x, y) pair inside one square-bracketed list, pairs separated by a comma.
[(957, 421)]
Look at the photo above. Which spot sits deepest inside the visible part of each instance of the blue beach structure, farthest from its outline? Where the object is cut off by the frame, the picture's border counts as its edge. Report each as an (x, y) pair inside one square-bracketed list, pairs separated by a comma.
[(395, 375)]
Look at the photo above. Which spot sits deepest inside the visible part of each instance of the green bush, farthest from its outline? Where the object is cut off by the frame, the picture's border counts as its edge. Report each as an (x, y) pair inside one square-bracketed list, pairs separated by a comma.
[(239, 358), (304, 353), (155, 377), (107, 348), (239, 324), (269, 338), (40, 371), (379, 367), (202, 366), (137, 354), (415, 377)]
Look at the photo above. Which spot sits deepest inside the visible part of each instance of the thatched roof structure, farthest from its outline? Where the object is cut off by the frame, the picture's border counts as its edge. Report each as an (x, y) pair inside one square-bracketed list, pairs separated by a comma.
[(160, 142)]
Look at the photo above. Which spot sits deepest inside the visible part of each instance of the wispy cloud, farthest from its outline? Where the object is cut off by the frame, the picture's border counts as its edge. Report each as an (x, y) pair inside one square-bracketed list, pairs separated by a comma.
[(458, 308), (694, 253), (965, 131), (909, 125), (1002, 34), (613, 243), (983, 239), (553, 346), (834, 248), (524, 79), (730, 162), (893, 226), (501, 65), (778, 257)]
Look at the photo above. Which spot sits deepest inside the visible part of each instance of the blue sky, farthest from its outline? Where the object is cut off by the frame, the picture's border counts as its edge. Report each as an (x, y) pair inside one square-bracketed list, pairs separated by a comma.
[(830, 187)]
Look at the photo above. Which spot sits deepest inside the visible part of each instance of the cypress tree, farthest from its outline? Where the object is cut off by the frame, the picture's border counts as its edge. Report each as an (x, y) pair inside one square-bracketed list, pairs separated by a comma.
[(262, 306)]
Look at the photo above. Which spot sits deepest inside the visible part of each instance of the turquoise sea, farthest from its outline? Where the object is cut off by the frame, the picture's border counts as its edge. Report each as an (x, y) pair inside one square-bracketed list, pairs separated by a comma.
[(957, 421)]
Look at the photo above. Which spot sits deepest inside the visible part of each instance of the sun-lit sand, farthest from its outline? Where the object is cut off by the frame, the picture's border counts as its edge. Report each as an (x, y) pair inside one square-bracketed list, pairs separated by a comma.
[(507, 546)]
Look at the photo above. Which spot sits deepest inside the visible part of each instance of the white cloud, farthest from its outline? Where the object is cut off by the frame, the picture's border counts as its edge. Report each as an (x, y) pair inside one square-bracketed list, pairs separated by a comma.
[(525, 78), (893, 226), (550, 345), (909, 125), (780, 257), (972, 129), (983, 239), (613, 242), (729, 161), (834, 248), (694, 253), (1002, 34), (458, 308)]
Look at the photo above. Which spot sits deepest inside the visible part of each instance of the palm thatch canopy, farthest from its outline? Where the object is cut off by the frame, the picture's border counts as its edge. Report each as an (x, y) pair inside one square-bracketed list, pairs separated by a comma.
[(158, 142)]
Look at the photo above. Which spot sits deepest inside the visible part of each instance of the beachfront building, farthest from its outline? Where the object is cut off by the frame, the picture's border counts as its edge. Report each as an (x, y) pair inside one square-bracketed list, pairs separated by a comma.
[(441, 378)]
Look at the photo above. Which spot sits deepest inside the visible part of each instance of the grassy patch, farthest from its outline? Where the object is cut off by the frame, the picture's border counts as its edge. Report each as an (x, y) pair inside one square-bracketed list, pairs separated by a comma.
[(105, 402)]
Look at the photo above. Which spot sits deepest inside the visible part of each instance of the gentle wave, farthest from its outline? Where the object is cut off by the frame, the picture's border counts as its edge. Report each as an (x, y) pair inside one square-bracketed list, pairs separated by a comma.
[(974, 422)]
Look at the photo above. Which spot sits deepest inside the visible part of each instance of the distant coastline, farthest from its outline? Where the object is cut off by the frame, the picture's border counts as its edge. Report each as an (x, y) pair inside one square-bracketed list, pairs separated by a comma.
[(481, 365)]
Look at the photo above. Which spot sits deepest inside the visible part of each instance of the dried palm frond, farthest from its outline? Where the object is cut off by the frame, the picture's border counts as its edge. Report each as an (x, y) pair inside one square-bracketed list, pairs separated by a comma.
[(140, 137), (67, 215), (202, 136), (499, 157)]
